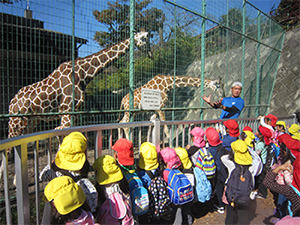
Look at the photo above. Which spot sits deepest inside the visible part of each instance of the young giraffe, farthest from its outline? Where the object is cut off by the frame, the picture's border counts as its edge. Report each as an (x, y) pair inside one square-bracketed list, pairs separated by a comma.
[(164, 83), (55, 94)]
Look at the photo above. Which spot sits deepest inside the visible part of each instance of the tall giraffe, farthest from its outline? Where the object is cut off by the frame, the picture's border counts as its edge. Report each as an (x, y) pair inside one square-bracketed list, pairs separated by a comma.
[(54, 93), (165, 83)]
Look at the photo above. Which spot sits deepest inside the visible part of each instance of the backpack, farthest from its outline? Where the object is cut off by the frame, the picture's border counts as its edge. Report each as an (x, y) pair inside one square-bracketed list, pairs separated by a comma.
[(179, 187), (138, 194), (158, 196), (202, 186), (115, 210), (206, 162), (239, 186)]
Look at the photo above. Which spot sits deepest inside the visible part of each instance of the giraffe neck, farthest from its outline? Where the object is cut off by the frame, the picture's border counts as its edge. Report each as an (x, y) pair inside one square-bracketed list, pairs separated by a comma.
[(91, 65), (180, 81)]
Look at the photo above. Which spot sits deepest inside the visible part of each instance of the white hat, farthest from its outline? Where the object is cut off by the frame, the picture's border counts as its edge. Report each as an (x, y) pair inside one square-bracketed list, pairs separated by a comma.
[(237, 83)]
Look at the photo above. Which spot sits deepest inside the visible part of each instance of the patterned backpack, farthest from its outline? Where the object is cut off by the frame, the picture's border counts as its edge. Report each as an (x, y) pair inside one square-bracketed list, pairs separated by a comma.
[(206, 162), (158, 197)]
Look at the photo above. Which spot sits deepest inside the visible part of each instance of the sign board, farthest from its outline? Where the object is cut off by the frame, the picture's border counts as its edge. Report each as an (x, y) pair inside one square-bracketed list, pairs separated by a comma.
[(151, 99)]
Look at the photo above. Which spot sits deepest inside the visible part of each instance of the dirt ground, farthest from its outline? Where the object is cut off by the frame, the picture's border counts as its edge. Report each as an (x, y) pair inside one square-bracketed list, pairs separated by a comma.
[(263, 214)]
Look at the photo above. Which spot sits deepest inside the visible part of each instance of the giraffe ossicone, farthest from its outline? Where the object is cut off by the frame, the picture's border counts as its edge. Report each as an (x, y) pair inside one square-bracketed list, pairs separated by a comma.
[(164, 83)]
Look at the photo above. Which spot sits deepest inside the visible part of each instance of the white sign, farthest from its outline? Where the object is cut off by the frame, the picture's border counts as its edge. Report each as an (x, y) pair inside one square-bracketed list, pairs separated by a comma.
[(151, 99)]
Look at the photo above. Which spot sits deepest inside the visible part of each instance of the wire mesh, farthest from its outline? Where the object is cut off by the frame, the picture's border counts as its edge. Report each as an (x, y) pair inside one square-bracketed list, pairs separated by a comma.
[(39, 36)]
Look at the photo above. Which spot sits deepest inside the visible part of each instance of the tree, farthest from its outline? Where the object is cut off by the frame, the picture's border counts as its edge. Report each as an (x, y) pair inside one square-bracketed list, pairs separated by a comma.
[(287, 13), (117, 20)]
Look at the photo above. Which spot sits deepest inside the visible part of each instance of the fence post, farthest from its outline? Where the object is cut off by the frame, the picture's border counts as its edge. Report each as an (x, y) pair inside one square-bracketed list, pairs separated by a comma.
[(21, 170), (156, 134)]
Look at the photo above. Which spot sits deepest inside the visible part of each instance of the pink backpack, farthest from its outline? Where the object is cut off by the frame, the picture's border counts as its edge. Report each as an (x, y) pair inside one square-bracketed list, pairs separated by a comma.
[(115, 210)]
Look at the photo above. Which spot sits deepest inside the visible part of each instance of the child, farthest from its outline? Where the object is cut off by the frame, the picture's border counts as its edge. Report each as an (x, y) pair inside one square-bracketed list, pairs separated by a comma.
[(240, 158), (115, 206), (264, 150), (124, 154), (197, 134), (71, 161), (68, 199), (148, 171), (294, 131), (172, 161), (217, 150), (232, 133)]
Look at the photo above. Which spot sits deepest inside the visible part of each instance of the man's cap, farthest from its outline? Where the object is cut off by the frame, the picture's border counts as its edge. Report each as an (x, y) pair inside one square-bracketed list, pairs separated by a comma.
[(237, 83)]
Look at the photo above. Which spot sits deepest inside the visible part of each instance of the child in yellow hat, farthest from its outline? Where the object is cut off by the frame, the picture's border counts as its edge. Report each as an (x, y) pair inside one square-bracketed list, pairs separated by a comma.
[(68, 199), (71, 160), (114, 200)]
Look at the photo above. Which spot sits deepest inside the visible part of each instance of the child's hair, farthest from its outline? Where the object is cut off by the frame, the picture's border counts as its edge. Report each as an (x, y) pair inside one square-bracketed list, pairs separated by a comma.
[(74, 214)]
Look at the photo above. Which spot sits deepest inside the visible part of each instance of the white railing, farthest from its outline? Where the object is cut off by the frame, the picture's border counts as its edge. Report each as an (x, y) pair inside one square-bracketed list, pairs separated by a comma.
[(20, 146)]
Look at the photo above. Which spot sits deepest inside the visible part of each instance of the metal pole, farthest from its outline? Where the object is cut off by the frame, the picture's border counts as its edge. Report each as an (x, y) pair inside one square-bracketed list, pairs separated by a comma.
[(203, 39), (258, 66), (73, 61), (131, 66), (243, 49), (175, 56)]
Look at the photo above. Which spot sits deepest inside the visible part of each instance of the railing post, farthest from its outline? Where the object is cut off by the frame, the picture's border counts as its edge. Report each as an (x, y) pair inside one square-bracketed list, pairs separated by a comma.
[(156, 134), (21, 170), (6, 187), (98, 144)]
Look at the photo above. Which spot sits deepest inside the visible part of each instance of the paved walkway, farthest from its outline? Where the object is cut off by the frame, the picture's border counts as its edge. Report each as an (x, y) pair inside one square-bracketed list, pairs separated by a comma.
[(264, 211)]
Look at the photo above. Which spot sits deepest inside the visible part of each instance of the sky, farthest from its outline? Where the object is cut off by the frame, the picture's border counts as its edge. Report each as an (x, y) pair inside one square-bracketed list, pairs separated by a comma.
[(265, 5)]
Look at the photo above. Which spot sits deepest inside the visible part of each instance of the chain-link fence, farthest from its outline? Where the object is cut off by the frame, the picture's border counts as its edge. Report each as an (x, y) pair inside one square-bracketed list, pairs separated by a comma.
[(42, 42)]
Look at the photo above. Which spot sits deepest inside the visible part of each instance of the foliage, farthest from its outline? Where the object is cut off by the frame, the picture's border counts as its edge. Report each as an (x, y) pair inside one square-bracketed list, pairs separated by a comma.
[(117, 20), (287, 13)]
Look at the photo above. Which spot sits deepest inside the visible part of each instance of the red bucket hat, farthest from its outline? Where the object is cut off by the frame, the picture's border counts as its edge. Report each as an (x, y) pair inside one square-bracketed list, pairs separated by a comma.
[(273, 119), (247, 128), (291, 143), (212, 136), (233, 127), (266, 133), (124, 148)]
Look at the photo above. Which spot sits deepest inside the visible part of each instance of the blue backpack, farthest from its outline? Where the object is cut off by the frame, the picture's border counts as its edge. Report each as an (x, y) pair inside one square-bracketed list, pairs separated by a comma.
[(202, 186), (179, 187), (138, 194)]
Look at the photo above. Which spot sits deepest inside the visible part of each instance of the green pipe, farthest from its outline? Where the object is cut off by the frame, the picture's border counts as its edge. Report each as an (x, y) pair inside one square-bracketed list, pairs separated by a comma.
[(203, 38), (174, 68), (258, 72), (243, 50), (131, 65), (73, 61)]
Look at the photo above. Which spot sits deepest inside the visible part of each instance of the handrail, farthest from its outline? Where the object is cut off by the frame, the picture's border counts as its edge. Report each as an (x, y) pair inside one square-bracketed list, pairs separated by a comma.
[(21, 151)]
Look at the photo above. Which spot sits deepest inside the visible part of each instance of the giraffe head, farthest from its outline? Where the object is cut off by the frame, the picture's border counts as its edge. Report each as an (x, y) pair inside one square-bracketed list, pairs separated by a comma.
[(141, 39), (219, 87)]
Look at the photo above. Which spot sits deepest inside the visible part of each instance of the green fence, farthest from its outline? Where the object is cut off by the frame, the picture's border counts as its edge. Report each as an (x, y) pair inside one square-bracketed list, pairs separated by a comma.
[(42, 42)]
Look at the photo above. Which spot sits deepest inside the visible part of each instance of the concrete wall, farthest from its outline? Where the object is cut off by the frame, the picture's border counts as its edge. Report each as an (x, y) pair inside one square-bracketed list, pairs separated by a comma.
[(286, 94)]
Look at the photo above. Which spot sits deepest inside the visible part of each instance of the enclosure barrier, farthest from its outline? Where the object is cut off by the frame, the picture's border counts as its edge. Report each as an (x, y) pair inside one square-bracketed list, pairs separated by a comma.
[(20, 145)]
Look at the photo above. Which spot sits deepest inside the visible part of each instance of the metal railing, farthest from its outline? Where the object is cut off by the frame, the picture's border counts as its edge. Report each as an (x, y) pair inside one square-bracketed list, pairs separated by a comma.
[(179, 136)]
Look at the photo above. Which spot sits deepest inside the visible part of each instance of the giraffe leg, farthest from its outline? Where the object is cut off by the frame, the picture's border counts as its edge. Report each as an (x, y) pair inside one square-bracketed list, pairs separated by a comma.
[(163, 118), (126, 130)]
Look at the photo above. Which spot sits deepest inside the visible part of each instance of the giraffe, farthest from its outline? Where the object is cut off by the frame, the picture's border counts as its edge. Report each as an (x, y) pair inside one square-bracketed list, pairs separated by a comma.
[(55, 92), (165, 83)]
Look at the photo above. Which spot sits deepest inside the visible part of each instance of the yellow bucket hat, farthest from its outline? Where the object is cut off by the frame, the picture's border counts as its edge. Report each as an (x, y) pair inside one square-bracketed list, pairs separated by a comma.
[(71, 155), (281, 123), (148, 156), (250, 137), (241, 153), (65, 193), (294, 129), (107, 170), (184, 157)]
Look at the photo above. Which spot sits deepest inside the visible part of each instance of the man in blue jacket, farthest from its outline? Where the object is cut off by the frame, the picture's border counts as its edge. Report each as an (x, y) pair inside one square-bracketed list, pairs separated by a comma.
[(231, 106)]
